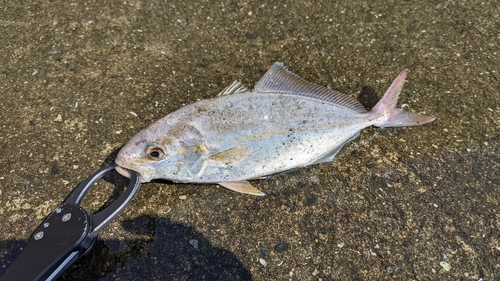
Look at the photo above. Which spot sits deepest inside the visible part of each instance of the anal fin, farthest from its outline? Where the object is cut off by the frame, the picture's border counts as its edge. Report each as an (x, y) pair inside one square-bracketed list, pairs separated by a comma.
[(330, 155), (242, 187)]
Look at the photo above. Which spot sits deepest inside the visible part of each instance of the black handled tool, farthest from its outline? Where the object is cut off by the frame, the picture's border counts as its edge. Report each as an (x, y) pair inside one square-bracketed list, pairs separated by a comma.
[(67, 233)]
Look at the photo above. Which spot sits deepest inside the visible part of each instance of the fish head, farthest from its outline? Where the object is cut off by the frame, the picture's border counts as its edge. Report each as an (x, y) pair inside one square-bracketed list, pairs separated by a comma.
[(150, 156)]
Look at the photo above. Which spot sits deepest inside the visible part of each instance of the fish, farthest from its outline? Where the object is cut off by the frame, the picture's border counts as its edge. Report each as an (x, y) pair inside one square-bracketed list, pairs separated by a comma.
[(284, 123)]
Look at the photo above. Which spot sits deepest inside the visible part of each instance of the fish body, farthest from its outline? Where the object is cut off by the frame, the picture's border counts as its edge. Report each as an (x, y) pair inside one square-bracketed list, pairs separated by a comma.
[(282, 124)]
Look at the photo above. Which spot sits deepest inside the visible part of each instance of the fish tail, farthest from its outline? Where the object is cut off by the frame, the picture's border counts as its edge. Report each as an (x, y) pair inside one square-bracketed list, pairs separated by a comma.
[(396, 117)]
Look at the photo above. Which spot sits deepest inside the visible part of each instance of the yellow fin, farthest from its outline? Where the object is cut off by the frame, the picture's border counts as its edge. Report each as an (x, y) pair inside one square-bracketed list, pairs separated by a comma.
[(243, 187), (231, 156)]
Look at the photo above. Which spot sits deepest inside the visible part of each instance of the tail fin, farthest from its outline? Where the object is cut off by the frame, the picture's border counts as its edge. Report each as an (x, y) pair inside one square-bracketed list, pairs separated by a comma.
[(395, 117)]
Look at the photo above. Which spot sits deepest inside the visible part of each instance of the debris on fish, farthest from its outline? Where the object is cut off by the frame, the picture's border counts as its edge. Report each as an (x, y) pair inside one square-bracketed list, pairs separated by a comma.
[(284, 123)]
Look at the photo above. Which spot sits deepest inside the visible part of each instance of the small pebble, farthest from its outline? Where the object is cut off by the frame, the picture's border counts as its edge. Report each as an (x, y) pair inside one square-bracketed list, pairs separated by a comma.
[(281, 247), (264, 251), (341, 245), (315, 180), (263, 262), (194, 243), (183, 197), (391, 270), (443, 256), (331, 194), (446, 266)]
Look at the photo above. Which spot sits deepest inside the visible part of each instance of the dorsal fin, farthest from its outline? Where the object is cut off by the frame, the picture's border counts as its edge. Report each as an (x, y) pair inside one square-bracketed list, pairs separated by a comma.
[(235, 88), (278, 79)]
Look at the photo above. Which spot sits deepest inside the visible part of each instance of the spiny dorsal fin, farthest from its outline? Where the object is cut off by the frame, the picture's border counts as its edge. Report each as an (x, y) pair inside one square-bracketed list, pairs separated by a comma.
[(235, 88), (278, 79)]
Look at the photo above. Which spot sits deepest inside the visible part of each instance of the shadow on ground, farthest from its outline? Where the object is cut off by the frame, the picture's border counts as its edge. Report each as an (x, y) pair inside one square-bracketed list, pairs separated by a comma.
[(165, 251)]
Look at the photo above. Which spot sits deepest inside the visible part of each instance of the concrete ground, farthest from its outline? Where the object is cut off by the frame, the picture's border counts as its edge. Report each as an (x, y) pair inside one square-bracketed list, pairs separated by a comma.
[(80, 78)]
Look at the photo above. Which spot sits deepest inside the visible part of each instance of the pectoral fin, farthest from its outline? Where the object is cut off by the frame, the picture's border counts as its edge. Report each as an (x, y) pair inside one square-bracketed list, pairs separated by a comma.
[(243, 187), (231, 156)]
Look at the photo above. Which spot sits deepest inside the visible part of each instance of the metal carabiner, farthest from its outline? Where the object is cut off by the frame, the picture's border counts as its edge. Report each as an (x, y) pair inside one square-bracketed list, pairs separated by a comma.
[(68, 232)]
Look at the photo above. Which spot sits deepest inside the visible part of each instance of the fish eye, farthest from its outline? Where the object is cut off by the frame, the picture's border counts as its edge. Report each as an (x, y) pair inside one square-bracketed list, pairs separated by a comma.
[(155, 153)]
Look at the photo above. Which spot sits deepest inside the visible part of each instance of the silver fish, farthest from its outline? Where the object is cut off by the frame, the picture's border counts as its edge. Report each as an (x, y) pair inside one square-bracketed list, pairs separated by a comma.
[(282, 124)]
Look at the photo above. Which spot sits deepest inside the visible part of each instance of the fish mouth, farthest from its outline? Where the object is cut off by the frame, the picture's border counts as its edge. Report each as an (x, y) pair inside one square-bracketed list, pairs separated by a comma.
[(145, 176), (123, 171)]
